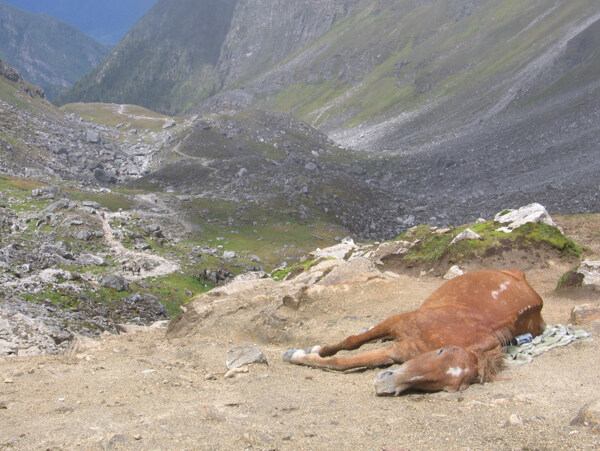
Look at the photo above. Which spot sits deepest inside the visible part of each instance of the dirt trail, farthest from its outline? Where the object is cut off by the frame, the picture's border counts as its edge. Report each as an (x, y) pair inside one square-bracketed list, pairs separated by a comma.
[(163, 266)]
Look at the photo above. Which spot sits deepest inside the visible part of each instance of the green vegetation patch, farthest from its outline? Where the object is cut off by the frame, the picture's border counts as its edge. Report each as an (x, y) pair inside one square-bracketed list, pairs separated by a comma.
[(295, 269), (177, 289), (433, 248)]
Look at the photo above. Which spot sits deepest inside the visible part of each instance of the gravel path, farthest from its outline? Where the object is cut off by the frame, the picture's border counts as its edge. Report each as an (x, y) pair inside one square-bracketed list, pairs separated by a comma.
[(163, 266)]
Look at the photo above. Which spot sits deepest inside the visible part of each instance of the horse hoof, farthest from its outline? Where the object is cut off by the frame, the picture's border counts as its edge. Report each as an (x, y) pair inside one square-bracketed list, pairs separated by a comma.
[(313, 349), (287, 355)]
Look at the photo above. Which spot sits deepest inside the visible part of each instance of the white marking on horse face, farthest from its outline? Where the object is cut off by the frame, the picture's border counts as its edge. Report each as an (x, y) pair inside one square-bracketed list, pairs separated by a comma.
[(455, 371), (503, 287), (415, 378)]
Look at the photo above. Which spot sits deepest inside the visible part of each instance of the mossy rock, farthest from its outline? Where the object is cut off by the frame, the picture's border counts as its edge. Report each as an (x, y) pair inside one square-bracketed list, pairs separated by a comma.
[(528, 245), (570, 279)]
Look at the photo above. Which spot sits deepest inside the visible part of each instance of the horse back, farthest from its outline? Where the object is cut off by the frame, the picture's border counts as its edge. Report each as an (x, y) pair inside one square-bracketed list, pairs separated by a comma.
[(479, 304)]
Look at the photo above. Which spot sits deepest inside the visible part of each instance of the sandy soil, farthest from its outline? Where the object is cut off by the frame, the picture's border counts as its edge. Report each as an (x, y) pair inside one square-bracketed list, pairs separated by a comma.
[(142, 391)]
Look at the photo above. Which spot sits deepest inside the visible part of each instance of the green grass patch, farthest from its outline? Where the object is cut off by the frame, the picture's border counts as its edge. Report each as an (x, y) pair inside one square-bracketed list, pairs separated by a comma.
[(296, 268), (178, 289), (432, 248)]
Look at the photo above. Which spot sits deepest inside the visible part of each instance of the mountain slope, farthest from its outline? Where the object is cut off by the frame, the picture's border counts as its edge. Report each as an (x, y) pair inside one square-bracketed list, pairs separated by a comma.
[(107, 21), (47, 51), (166, 61), (185, 51)]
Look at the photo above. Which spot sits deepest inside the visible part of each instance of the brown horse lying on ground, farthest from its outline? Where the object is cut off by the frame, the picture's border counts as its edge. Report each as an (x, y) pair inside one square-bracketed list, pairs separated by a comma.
[(451, 341)]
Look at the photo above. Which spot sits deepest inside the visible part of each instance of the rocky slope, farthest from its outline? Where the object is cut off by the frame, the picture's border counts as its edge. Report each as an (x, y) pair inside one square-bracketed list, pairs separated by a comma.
[(38, 140), (47, 51)]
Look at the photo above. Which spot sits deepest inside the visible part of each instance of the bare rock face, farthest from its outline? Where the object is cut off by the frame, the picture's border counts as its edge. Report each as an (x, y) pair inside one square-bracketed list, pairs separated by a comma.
[(15, 76), (289, 25)]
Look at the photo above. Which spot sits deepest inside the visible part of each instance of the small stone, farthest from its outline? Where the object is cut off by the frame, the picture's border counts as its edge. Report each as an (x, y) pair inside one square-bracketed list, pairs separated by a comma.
[(453, 272), (232, 372), (515, 420), (589, 415), (585, 313), (137, 437), (466, 234), (243, 356), (209, 377)]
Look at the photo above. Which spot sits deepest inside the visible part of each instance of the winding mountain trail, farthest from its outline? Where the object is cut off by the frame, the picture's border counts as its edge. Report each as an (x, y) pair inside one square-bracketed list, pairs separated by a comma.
[(162, 266)]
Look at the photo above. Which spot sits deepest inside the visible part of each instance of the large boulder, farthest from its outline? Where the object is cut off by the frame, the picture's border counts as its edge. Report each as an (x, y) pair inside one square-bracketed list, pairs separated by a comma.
[(91, 260), (529, 213), (115, 282), (338, 251), (586, 275), (146, 304)]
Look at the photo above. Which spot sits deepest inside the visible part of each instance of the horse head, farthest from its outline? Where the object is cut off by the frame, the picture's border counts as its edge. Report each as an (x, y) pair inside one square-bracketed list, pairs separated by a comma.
[(450, 368)]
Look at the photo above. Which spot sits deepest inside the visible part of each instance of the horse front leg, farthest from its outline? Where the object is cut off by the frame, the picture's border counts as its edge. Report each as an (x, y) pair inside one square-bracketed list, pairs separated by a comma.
[(380, 331), (397, 353)]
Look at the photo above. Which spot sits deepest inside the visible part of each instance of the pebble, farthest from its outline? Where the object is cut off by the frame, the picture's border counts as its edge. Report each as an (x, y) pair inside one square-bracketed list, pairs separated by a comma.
[(231, 373)]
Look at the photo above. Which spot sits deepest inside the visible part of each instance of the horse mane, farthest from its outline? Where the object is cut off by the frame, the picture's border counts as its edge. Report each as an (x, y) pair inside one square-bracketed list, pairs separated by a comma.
[(490, 364)]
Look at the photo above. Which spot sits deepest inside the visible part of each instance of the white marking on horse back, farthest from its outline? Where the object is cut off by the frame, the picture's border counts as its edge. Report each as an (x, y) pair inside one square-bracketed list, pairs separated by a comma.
[(503, 287), (455, 371), (523, 310)]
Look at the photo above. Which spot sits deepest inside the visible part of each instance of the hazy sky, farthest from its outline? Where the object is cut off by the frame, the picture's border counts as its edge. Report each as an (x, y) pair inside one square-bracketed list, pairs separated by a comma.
[(104, 20)]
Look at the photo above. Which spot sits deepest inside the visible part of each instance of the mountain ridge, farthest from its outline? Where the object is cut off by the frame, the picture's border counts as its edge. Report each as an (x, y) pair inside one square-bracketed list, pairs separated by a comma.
[(47, 51)]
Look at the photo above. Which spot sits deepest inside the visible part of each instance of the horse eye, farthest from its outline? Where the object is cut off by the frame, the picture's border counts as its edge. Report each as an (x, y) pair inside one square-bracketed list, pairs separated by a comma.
[(440, 351)]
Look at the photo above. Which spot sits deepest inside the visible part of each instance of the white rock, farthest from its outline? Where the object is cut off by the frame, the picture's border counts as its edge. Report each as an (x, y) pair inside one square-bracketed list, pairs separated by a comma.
[(591, 272), (453, 272), (530, 213), (466, 234), (337, 251)]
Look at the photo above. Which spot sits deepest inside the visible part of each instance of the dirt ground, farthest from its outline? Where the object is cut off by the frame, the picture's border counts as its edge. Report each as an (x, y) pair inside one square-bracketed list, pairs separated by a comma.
[(142, 391)]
